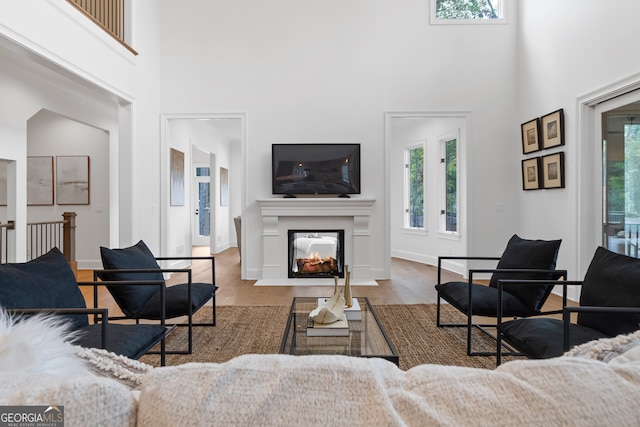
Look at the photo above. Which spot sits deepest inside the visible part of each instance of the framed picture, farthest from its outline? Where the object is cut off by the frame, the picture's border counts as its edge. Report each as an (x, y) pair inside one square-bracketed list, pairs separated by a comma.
[(3, 183), (72, 176), (530, 136), (39, 181), (553, 170), (531, 174), (552, 127), (224, 187), (176, 176)]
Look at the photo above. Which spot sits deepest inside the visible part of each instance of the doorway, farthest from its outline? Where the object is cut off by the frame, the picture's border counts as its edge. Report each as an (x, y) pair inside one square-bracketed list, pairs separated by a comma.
[(621, 176), (201, 227), (427, 134), (601, 162), (216, 141)]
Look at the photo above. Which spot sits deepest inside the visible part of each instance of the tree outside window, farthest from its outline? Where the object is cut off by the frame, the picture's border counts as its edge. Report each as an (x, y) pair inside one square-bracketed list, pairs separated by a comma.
[(468, 9), (414, 185)]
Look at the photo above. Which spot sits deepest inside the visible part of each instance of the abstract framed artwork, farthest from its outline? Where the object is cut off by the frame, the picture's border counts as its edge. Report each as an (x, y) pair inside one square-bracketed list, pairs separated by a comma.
[(39, 180), (176, 177), (3, 183), (530, 136), (552, 127), (224, 187), (531, 174), (72, 180), (552, 170)]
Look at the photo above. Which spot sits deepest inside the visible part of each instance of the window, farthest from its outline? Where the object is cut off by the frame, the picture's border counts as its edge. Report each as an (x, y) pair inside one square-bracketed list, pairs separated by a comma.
[(202, 171), (448, 148), (621, 179), (468, 11), (414, 187)]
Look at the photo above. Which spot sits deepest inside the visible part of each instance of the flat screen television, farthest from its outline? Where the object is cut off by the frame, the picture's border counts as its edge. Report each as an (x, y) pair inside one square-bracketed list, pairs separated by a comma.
[(316, 169)]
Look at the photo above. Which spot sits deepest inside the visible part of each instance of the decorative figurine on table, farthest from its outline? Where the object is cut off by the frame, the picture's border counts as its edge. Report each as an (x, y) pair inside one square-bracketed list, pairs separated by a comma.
[(332, 309)]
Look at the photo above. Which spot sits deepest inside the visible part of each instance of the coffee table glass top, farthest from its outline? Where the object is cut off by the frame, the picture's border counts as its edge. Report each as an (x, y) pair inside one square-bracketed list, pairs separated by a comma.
[(367, 337)]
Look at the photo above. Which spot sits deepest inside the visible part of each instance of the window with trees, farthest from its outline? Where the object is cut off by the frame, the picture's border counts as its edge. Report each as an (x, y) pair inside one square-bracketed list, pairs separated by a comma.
[(414, 187), (467, 11), (448, 148)]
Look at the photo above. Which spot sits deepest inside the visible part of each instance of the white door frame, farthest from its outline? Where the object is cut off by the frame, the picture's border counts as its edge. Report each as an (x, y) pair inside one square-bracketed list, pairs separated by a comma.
[(589, 165)]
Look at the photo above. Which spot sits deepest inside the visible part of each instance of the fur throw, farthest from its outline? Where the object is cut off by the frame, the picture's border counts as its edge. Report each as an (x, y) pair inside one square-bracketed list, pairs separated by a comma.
[(39, 343)]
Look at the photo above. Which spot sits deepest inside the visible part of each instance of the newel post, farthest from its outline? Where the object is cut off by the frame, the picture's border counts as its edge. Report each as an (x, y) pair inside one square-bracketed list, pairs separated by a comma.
[(69, 239)]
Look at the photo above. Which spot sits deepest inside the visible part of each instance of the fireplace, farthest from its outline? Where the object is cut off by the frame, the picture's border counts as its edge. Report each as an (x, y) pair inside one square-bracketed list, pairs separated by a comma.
[(316, 253)]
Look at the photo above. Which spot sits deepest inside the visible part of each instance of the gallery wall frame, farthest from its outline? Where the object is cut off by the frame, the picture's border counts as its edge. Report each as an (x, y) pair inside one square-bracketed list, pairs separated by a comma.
[(3, 183), (531, 174), (39, 180), (552, 128), (73, 180), (530, 136), (224, 187), (176, 177), (552, 168)]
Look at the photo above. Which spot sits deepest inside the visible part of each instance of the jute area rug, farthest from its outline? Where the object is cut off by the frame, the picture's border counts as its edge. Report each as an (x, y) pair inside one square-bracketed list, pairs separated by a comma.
[(259, 329)]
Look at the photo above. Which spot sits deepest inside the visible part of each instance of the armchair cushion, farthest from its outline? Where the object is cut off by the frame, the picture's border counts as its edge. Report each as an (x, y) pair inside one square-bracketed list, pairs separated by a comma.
[(176, 300), (131, 341), (542, 338), (131, 298), (528, 254), (44, 282), (484, 299), (611, 281)]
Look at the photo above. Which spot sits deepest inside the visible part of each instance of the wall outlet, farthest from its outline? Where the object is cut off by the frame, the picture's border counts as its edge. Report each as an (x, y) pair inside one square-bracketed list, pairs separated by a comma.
[(499, 206)]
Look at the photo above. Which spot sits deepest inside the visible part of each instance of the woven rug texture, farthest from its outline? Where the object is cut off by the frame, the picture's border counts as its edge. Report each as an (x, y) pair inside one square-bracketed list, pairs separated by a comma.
[(258, 329)]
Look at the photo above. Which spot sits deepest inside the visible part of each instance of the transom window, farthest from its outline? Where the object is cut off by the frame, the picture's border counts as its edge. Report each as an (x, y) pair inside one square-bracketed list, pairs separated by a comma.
[(468, 11)]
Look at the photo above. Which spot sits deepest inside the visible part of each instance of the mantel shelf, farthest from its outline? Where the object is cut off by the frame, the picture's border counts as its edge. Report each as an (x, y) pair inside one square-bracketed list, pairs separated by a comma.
[(334, 206)]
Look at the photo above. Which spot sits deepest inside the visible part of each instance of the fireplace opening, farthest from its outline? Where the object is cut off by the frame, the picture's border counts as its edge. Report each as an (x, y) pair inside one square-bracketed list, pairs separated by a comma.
[(316, 253)]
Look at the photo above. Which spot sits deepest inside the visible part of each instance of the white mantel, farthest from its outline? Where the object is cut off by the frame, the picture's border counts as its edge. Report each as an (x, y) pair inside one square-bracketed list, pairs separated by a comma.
[(349, 214)]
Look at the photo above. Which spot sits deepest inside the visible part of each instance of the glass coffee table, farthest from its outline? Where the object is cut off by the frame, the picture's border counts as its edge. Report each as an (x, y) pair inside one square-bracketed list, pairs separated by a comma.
[(367, 337)]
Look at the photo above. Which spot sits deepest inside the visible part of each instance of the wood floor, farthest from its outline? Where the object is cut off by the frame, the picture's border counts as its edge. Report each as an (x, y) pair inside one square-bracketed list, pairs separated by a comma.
[(410, 283)]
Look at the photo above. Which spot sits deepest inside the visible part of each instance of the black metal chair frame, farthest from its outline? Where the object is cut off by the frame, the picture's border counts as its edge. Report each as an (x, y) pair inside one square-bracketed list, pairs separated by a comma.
[(101, 315), (189, 313), (483, 326), (566, 311)]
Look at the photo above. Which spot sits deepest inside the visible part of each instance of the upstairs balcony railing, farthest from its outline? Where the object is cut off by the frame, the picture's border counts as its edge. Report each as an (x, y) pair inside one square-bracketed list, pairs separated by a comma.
[(108, 15), (42, 236)]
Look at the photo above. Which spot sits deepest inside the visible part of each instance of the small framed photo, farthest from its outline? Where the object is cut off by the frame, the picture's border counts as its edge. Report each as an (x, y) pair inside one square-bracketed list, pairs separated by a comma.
[(552, 170), (530, 136), (531, 174), (552, 128)]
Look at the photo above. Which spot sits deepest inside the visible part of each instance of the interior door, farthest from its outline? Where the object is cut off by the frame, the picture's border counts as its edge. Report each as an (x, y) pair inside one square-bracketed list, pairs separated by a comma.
[(202, 206)]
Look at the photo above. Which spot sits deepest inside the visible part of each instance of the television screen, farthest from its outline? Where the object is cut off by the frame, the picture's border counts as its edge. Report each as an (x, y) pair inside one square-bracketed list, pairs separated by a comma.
[(316, 169)]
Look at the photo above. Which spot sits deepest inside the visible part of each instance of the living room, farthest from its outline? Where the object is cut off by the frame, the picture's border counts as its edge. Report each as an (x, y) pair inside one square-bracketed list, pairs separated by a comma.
[(386, 60), (289, 71)]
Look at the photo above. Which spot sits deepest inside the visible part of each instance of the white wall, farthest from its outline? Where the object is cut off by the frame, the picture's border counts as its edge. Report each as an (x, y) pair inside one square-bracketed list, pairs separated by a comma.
[(567, 50), (50, 134), (327, 72)]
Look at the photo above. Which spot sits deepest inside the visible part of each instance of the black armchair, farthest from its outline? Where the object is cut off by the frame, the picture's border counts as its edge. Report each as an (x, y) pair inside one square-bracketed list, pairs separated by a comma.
[(143, 302), (609, 306), (47, 284), (522, 260)]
